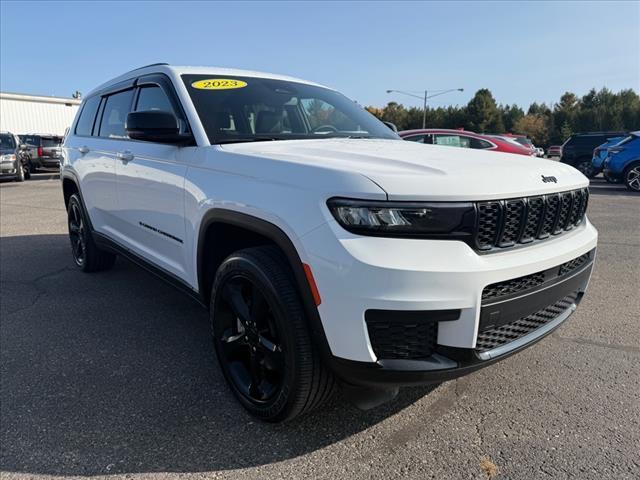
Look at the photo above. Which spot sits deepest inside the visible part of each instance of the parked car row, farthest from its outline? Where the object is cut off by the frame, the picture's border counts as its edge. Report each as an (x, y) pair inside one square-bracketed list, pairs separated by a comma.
[(22, 155), (577, 150), (466, 139), (622, 162), (12, 162)]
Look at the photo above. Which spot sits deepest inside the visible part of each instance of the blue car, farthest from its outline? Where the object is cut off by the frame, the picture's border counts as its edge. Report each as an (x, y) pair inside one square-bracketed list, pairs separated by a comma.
[(601, 152), (623, 162)]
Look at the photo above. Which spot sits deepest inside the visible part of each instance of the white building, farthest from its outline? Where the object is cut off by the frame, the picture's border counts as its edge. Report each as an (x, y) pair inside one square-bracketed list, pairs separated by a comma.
[(21, 113)]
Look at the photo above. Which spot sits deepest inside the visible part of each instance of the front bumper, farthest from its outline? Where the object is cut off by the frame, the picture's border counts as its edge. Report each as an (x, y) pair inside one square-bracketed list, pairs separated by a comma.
[(355, 274), (9, 169)]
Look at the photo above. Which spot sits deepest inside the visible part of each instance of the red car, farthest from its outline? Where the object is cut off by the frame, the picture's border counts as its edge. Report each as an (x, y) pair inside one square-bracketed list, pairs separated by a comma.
[(464, 139)]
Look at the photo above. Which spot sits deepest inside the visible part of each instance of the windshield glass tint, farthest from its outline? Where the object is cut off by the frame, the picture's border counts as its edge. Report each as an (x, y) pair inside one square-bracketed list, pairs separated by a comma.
[(239, 109), (7, 142)]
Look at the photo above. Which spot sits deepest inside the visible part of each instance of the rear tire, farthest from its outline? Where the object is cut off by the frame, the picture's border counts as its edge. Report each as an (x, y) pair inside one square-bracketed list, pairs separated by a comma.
[(631, 177), (586, 168), (86, 255), (261, 337)]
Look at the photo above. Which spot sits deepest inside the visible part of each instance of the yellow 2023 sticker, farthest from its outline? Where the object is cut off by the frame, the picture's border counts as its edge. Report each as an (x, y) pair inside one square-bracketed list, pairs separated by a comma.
[(218, 84)]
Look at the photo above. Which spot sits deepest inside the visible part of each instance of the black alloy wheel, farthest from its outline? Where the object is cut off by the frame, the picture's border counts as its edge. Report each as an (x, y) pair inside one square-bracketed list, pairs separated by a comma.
[(86, 254), (261, 337), (248, 337), (77, 234)]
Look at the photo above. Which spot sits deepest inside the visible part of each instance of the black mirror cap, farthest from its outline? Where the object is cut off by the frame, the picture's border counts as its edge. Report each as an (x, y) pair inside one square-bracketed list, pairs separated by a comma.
[(391, 125), (155, 126)]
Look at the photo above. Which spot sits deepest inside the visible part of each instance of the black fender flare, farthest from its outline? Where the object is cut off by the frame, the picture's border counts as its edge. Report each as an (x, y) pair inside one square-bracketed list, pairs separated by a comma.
[(282, 240)]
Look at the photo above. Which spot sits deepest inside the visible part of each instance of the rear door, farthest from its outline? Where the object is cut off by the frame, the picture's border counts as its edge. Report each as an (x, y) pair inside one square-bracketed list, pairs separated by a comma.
[(89, 158), (150, 185)]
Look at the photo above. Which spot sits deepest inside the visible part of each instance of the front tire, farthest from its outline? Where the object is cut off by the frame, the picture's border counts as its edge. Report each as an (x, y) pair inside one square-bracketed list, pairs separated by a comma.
[(632, 177), (86, 255), (261, 337)]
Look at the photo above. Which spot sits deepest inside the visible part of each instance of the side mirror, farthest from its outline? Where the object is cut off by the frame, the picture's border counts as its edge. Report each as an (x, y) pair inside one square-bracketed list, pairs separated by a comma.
[(392, 126), (155, 126)]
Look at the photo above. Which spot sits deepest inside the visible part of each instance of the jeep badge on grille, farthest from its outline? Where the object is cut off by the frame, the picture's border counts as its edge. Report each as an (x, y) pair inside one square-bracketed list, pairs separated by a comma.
[(549, 179)]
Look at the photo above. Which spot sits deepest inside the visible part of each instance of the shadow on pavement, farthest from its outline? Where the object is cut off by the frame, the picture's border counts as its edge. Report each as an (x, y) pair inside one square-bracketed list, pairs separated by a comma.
[(114, 373)]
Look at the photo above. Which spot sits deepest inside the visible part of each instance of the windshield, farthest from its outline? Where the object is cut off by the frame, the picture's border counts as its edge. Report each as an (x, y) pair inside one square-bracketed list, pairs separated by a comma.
[(245, 109), (7, 142)]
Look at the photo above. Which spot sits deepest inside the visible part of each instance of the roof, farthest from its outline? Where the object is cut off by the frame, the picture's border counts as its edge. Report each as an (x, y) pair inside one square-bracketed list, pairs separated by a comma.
[(175, 71)]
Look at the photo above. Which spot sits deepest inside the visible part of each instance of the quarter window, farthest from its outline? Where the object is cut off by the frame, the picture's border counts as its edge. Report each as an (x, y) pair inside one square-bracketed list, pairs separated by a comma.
[(87, 116), (115, 114), (480, 144), (153, 98)]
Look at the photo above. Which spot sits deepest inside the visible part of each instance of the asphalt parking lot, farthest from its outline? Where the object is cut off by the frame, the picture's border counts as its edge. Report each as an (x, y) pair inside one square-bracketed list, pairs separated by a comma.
[(112, 374)]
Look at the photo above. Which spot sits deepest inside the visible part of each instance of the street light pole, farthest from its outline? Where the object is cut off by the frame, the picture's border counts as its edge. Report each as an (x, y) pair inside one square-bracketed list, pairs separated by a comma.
[(424, 111), (425, 98)]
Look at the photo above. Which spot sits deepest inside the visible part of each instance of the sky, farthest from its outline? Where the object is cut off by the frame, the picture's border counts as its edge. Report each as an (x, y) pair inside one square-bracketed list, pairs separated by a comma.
[(521, 51)]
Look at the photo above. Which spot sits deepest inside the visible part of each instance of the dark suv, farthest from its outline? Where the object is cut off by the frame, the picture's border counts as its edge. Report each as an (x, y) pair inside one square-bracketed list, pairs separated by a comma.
[(43, 151), (577, 151)]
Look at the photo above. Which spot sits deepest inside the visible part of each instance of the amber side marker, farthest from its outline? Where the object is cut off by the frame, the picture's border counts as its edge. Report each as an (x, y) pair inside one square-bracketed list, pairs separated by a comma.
[(312, 284)]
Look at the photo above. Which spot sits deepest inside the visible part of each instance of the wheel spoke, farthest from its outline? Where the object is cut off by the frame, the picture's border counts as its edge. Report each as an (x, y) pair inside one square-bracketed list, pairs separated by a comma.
[(255, 371), (259, 306), (233, 295)]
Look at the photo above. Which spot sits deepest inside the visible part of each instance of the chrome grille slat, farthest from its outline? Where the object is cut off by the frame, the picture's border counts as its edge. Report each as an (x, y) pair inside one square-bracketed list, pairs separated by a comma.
[(507, 223)]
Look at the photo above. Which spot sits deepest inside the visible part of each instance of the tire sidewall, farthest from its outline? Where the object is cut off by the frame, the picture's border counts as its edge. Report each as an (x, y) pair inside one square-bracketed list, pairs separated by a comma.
[(248, 268)]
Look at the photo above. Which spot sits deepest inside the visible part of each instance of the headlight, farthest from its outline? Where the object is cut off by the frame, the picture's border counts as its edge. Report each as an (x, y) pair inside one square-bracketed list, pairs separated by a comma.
[(404, 219), (8, 158)]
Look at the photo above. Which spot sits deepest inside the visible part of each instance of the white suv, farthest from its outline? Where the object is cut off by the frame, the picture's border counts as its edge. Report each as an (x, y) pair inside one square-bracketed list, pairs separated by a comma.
[(328, 251)]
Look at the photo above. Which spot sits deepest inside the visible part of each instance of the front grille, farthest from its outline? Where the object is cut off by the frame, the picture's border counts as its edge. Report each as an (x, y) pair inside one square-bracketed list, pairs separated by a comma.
[(533, 280), (515, 285), (506, 223), (402, 340), (498, 336), (571, 265)]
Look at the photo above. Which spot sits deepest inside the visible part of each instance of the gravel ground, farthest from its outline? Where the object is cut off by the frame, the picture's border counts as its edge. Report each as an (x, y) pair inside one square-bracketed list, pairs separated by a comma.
[(112, 374)]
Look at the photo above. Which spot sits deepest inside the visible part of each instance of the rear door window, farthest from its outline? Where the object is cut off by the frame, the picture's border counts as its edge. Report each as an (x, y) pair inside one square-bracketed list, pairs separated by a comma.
[(114, 115), (452, 140), (87, 116)]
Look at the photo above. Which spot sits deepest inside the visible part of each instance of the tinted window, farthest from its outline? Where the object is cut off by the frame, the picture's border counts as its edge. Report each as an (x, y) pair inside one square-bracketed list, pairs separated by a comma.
[(87, 116), (415, 138), (7, 142), (51, 141), (30, 140), (480, 144), (153, 98), (115, 114)]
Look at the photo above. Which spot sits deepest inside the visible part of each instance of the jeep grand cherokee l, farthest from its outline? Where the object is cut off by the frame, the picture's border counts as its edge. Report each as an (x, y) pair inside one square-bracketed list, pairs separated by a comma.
[(328, 251)]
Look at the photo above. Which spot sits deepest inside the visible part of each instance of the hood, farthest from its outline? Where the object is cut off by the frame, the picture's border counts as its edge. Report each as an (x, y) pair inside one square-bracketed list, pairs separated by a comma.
[(411, 171)]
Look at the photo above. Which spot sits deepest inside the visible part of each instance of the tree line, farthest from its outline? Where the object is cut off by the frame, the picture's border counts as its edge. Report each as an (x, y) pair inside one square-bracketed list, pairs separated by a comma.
[(544, 124)]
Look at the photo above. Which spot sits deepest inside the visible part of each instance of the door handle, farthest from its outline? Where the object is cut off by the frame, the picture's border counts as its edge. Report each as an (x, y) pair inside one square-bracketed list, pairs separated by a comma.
[(125, 156), (83, 149)]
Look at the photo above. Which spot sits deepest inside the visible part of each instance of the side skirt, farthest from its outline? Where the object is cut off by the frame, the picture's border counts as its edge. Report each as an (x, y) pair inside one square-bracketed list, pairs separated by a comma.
[(104, 242)]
